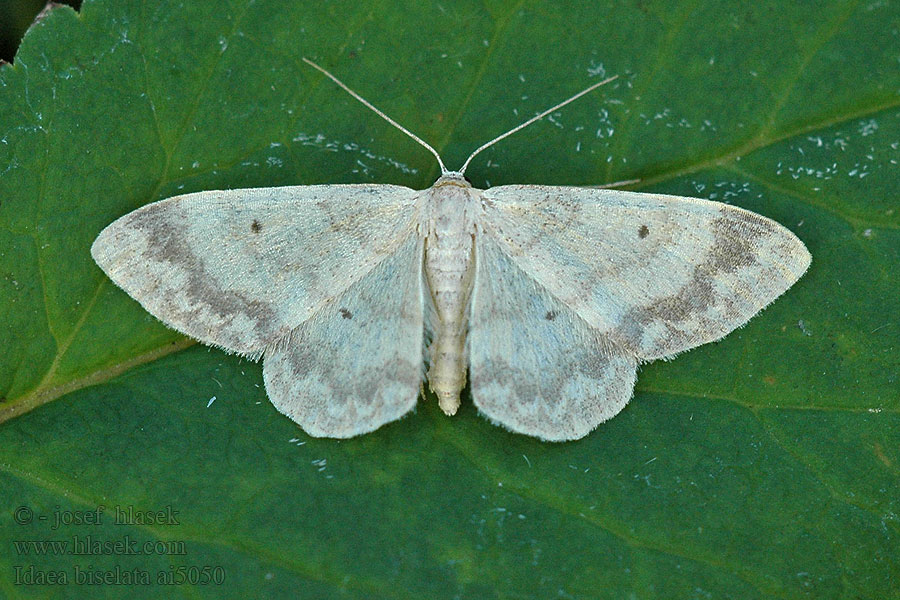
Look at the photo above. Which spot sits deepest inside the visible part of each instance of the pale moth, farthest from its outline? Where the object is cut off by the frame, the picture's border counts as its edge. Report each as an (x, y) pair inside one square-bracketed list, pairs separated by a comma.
[(550, 296)]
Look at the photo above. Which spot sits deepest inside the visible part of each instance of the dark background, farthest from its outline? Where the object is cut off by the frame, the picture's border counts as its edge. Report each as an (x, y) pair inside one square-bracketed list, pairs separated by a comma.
[(15, 17)]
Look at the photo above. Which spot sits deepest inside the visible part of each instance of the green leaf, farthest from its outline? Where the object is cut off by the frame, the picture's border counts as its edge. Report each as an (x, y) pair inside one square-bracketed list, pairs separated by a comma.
[(762, 466)]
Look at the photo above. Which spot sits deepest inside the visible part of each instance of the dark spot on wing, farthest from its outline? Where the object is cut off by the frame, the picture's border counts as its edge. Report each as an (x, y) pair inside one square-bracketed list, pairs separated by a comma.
[(346, 313), (200, 298), (551, 314), (686, 315), (255, 227), (643, 231)]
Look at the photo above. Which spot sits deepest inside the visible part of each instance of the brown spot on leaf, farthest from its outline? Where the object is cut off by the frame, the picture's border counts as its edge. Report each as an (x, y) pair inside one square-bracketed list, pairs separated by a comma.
[(643, 231), (879, 452), (255, 227), (45, 12), (769, 380), (346, 313)]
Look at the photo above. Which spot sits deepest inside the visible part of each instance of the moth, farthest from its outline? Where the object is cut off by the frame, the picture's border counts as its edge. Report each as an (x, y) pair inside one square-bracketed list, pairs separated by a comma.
[(549, 297)]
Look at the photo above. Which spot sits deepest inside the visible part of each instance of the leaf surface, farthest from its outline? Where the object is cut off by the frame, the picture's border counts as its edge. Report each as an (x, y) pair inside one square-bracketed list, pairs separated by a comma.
[(762, 466)]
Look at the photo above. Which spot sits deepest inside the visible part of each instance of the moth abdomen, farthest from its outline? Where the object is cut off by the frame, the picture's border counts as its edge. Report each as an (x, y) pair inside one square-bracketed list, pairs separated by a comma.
[(449, 274)]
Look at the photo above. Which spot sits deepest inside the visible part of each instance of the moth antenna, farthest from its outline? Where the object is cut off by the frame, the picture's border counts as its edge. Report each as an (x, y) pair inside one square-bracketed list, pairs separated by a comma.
[(533, 119), (368, 104)]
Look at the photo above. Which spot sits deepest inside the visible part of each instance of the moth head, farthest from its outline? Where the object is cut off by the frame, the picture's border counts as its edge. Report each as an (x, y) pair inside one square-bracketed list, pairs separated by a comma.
[(453, 178)]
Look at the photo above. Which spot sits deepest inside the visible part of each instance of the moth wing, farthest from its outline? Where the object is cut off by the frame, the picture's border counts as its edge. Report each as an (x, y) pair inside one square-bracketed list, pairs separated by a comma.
[(240, 269), (356, 363), (655, 274), (535, 366)]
